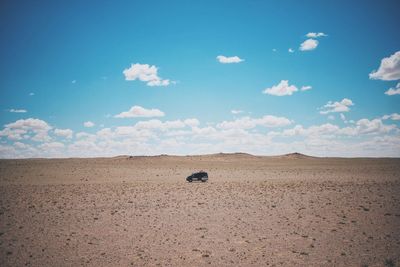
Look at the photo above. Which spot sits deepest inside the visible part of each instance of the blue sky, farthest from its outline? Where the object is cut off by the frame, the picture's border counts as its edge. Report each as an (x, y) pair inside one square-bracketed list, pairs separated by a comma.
[(63, 64)]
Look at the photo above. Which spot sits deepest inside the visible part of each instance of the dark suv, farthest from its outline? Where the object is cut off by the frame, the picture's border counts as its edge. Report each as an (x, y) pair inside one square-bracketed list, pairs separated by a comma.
[(198, 176)]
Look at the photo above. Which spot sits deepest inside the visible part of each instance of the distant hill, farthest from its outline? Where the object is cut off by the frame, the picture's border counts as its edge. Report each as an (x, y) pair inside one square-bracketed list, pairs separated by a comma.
[(296, 155), (221, 155)]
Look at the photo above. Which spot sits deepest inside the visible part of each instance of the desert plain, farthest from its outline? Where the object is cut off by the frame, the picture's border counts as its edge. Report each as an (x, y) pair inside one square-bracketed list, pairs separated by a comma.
[(290, 210)]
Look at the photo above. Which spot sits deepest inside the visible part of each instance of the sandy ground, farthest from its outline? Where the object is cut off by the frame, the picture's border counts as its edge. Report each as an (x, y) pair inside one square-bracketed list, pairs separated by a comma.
[(254, 211)]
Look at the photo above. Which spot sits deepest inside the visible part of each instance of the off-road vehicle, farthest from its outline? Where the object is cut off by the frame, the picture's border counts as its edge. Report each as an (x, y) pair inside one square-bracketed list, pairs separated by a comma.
[(198, 176)]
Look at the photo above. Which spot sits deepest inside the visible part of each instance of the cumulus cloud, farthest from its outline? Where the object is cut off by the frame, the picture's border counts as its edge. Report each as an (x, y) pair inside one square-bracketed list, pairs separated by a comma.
[(227, 60), (159, 125), (328, 130), (316, 34), (145, 73), (83, 135), (389, 70), (28, 124), (263, 135), (22, 129), (18, 110), (66, 133), (308, 45), (290, 50), (306, 87), (142, 130), (393, 116), (88, 124), (314, 130), (128, 131), (138, 111), (365, 126), (192, 122), (281, 89), (20, 145), (51, 146), (139, 133), (249, 123), (342, 106), (393, 91)]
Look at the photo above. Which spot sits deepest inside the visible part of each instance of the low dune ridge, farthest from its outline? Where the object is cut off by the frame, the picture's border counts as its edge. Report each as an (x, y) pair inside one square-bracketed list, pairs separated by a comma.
[(289, 210)]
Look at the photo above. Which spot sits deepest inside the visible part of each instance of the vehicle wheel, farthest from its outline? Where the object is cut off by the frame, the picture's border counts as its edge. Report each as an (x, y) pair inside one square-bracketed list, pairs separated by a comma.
[(190, 181), (203, 180)]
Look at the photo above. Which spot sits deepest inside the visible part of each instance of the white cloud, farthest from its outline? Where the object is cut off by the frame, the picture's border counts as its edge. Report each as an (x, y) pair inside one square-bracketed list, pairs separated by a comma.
[(142, 130), (159, 125), (365, 126), (31, 94), (393, 91), (342, 106), (315, 130), (18, 110), (274, 50), (192, 122), (389, 70), (328, 130), (66, 133), (282, 89), (127, 131), (290, 50), (159, 83), (309, 44), (28, 124), (306, 87), (51, 146), (20, 145), (88, 124), (83, 135), (73, 81), (19, 150), (331, 117), (342, 117), (365, 137), (316, 34), (87, 148), (22, 129), (13, 134), (393, 116), (145, 73), (227, 60), (236, 111), (138, 111), (249, 123), (205, 131)]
